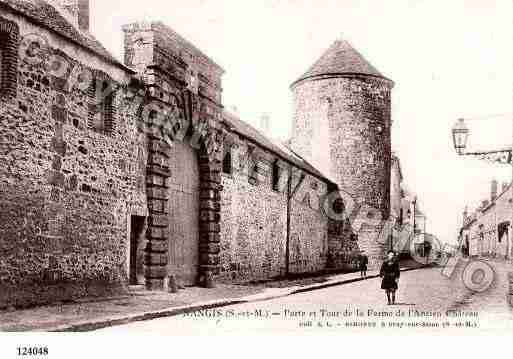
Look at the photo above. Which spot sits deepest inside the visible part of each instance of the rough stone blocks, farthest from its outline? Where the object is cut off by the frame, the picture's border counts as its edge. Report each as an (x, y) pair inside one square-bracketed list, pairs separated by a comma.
[(157, 246), (158, 232), (157, 193), (155, 259), (159, 220), (155, 272)]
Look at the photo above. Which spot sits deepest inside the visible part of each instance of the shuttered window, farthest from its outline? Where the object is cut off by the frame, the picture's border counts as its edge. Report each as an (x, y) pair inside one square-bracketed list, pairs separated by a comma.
[(9, 42), (276, 176), (101, 107)]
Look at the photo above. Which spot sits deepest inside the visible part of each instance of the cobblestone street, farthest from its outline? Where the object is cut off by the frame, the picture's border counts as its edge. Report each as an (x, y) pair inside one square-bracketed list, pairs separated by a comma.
[(425, 290)]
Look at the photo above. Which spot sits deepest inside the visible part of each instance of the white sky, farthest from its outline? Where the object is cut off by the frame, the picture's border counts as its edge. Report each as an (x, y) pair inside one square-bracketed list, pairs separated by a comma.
[(448, 59)]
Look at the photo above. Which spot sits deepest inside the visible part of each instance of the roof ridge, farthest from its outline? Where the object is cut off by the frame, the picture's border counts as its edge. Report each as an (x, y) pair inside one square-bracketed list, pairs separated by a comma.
[(267, 142)]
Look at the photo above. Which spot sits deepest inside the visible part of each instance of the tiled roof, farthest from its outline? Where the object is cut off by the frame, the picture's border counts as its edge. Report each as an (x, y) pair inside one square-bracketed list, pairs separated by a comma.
[(280, 149), (46, 15), (184, 42), (341, 58)]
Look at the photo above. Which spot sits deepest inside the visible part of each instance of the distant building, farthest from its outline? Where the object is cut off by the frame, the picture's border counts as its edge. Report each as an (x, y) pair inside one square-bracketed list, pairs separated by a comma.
[(486, 232), (405, 211)]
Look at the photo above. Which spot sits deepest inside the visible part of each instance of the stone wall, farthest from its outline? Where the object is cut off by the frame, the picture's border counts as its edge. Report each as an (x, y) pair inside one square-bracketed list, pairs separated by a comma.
[(254, 223), (72, 174), (343, 246), (345, 120), (253, 230), (67, 189), (357, 118)]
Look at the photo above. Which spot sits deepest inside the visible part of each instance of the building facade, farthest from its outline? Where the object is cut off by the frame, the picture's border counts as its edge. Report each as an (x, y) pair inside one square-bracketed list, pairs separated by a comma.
[(116, 174), (486, 232)]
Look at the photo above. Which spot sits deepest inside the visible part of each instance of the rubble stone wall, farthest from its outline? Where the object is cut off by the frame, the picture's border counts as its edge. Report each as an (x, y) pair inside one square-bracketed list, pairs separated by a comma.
[(67, 191), (357, 116), (346, 119), (254, 224)]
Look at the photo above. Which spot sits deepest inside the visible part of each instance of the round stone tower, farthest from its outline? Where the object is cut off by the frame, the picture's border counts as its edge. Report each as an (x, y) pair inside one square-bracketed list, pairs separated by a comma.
[(342, 124)]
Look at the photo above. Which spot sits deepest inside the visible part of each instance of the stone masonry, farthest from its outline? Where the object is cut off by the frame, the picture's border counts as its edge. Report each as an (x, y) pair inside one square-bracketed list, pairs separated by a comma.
[(84, 151), (342, 124), (67, 186)]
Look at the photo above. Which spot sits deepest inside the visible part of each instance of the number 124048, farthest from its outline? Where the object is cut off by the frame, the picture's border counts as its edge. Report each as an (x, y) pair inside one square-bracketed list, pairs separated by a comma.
[(32, 351)]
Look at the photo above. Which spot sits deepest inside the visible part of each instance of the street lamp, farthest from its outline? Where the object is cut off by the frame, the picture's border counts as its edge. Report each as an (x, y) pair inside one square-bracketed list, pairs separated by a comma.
[(460, 134)]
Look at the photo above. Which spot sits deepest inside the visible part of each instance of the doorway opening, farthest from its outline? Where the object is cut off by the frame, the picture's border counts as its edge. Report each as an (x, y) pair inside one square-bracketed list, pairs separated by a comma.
[(137, 247)]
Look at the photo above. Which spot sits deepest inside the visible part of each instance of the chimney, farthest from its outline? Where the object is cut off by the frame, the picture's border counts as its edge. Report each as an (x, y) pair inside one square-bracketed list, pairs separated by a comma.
[(79, 10), (83, 14), (265, 120), (493, 190), (139, 46)]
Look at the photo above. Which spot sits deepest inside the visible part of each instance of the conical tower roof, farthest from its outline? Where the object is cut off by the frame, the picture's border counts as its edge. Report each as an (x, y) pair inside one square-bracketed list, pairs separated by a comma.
[(341, 59)]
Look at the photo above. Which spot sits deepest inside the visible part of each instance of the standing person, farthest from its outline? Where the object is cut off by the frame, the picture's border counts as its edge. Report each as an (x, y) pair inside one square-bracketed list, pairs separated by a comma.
[(390, 273), (363, 261)]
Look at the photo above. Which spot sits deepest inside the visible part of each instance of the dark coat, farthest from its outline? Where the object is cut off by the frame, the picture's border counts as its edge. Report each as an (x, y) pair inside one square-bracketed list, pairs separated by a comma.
[(363, 260), (390, 273)]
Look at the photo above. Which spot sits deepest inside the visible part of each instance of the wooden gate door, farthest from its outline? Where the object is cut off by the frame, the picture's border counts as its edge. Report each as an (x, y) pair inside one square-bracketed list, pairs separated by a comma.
[(184, 212)]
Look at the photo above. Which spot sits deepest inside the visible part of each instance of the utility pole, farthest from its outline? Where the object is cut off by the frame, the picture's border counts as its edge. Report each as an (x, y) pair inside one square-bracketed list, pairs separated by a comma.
[(290, 193), (287, 240), (414, 218)]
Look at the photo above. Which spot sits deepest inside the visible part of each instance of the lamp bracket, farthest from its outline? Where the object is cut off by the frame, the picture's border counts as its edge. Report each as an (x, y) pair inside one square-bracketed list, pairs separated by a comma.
[(503, 157)]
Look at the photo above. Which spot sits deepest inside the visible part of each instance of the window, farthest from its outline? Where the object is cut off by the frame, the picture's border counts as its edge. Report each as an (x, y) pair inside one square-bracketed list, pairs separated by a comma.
[(253, 174), (252, 163), (9, 37), (101, 106), (276, 176), (227, 161), (259, 169), (502, 230)]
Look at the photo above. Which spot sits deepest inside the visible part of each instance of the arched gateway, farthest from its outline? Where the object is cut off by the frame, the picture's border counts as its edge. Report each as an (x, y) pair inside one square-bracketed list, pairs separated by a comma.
[(183, 193)]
